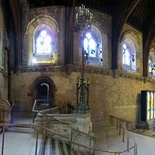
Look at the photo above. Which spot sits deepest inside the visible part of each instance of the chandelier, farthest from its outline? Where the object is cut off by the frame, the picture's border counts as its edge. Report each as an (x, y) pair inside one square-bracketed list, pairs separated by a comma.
[(83, 19)]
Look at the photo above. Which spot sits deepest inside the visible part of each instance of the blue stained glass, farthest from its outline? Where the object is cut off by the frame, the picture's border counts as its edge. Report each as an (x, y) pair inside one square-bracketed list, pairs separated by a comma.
[(93, 51)]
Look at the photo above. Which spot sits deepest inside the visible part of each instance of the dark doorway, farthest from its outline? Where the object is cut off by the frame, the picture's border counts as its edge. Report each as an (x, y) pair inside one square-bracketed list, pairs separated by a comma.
[(44, 92)]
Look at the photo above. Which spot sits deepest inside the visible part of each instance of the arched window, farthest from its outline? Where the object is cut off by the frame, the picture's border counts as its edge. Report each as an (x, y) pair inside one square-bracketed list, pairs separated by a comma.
[(151, 63), (92, 49), (129, 56), (43, 42), (43, 46)]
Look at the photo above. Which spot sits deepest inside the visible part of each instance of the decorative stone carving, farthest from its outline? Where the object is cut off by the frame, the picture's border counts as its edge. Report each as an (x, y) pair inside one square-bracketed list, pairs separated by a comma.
[(4, 111)]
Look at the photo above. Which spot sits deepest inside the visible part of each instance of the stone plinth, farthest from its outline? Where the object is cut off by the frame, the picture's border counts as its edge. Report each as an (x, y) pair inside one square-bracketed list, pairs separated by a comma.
[(84, 123), (81, 122)]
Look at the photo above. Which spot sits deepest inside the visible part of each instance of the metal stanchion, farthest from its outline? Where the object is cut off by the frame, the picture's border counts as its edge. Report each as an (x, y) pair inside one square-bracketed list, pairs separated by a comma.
[(3, 140), (37, 133)]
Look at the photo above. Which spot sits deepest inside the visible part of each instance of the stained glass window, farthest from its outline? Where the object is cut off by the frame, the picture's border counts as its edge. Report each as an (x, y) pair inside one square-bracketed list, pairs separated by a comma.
[(151, 64), (43, 47), (128, 57), (43, 42), (93, 51)]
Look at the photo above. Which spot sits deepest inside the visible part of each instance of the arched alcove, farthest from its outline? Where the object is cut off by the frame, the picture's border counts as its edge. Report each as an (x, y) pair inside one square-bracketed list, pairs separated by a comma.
[(130, 43), (40, 22), (43, 89)]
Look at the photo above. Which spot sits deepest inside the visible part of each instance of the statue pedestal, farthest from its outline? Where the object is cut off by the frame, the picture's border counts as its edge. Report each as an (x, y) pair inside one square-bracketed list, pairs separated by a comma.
[(83, 123)]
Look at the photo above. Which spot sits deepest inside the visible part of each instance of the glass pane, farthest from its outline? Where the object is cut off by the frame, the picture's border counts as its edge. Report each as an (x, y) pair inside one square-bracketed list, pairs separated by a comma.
[(43, 43), (93, 51), (128, 58), (148, 105), (92, 46), (151, 105), (154, 105)]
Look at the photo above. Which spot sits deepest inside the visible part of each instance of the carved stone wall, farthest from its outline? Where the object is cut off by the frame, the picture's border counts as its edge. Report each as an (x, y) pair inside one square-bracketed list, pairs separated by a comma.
[(53, 18), (118, 95), (128, 32), (111, 91)]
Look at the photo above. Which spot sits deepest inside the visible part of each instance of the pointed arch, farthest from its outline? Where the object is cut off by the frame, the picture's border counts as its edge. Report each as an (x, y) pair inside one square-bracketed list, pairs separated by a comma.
[(130, 50), (37, 24), (43, 88)]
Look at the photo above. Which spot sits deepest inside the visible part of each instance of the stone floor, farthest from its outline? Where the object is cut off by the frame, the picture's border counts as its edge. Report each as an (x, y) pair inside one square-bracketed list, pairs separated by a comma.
[(107, 138)]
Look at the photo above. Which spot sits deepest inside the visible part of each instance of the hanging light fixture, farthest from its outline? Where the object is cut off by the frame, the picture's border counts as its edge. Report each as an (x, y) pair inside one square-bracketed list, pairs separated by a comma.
[(83, 19)]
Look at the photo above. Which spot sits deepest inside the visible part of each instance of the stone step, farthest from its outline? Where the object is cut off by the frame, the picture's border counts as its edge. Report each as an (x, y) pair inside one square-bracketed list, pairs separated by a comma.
[(63, 148), (60, 147), (48, 147), (20, 129), (55, 147)]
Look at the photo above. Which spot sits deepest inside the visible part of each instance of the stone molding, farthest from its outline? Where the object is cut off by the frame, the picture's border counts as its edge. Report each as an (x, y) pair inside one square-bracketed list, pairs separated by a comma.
[(92, 70), (38, 69)]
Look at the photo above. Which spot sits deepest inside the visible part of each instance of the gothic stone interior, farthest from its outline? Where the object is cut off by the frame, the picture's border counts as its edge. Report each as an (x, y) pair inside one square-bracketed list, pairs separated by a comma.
[(119, 60)]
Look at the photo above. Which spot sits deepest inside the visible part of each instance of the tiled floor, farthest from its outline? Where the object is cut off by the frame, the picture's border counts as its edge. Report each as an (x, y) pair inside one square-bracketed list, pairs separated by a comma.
[(18, 143)]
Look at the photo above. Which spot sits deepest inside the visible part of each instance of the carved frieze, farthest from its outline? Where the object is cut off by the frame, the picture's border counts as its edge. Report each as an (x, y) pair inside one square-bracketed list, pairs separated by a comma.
[(114, 73)]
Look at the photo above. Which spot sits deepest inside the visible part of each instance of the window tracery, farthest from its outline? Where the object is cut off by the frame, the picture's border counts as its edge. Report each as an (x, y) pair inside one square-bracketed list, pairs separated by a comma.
[(129, 56), (151, 63), (43, 46), (93, 50), (43, 42)]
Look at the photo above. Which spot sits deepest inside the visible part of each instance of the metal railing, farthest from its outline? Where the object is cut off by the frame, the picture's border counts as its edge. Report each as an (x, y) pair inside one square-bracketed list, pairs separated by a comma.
[(79, 146), (41, 104), (70, 108), (123, 125), (48, 120)]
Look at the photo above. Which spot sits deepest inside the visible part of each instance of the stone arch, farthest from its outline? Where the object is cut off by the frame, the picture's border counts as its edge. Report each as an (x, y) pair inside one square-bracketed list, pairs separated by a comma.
[(100, 25), (37, 23), (100, 33), (42, 19), (131, 37), (46, 82), (101, 38), (151, 62)]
